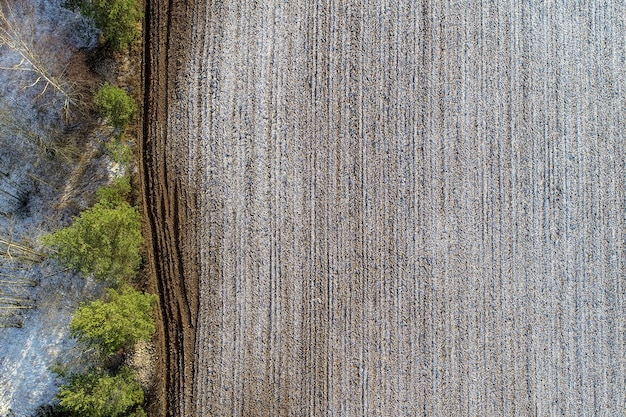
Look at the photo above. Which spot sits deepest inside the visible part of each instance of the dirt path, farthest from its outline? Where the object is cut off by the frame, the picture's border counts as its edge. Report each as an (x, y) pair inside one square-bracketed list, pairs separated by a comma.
[(383, 208)]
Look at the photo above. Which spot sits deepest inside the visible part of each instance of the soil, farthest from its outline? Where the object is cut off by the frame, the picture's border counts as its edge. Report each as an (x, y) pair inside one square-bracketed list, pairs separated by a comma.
[(172, 254), (386, 208)]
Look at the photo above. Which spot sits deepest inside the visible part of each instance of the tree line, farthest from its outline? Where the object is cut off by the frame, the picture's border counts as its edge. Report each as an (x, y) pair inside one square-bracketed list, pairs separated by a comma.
[(104, 241)]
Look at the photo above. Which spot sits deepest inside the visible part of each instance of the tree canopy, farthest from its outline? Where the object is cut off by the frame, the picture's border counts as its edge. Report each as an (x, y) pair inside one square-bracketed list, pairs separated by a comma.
[(115, 105), (104, 240), (98, 394), (118, 322), (119, 20)]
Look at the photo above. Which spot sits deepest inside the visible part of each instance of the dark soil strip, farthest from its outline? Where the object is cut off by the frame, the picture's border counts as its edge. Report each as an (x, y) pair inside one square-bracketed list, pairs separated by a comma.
[(169, 202)]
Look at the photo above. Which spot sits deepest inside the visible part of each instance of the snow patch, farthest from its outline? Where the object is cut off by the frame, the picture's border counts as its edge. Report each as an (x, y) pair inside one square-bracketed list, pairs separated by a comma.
[(29, 352)]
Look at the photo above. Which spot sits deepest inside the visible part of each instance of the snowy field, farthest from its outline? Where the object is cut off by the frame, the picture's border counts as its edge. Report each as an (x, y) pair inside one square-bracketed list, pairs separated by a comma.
[(36, 197)]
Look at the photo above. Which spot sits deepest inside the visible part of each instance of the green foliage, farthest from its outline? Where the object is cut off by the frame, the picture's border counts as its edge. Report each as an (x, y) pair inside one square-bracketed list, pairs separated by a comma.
[(115, 193), (98, 394), (115, 105), (104, 240), (60, 369), (119, 20), (120, 152), (50, 410), (117, 323)]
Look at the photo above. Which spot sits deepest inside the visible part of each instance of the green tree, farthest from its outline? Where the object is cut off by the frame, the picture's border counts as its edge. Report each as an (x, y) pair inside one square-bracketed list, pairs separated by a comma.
[(123, 319), (115, 105), (98, 394), (104, 240), (119, 20)]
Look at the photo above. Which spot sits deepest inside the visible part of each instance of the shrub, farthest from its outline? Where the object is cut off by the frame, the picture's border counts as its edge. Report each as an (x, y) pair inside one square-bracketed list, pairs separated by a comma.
[(116, 106), (118, 19), (115, 193), (120, 152), (104, 241), (125, 318), (98, 394), (51, 410)]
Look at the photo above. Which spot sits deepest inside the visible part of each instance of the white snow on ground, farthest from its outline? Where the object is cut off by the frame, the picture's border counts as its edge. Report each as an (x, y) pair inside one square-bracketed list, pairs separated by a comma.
[(28, 352)]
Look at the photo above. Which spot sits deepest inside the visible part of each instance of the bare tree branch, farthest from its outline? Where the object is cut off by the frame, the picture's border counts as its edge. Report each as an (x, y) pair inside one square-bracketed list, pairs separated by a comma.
[(12, 36)]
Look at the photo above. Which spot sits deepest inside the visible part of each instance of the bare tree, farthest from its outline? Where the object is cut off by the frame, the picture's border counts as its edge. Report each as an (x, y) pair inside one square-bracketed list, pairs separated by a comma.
[(14, 37), (15, 284), (16, 250), (14, 297), (27, 136)]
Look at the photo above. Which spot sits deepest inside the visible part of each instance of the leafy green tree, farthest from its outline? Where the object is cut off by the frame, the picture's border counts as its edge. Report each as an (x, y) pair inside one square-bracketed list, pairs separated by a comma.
[(119, 20), (104, 240), (115, 105), (98, 394), (123, 319)]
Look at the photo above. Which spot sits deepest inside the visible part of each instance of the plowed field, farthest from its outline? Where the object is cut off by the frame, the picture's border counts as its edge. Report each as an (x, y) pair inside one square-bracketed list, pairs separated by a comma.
[(388, 208)]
